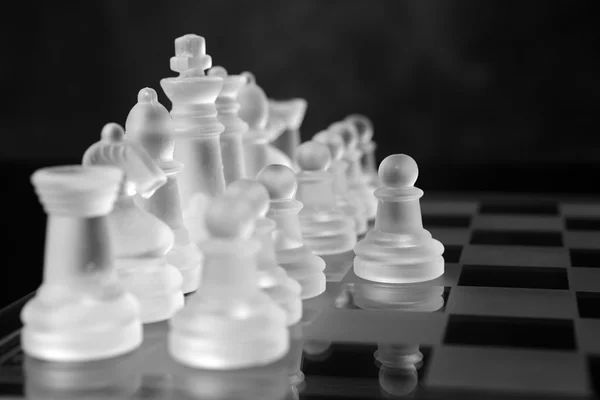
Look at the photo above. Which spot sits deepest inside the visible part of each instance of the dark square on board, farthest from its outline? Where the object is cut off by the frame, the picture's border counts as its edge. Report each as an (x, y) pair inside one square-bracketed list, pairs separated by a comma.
[(514, 277), (517, 238)]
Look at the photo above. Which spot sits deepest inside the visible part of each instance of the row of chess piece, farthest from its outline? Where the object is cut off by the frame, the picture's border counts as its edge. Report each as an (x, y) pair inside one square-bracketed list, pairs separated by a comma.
[(133, 228)]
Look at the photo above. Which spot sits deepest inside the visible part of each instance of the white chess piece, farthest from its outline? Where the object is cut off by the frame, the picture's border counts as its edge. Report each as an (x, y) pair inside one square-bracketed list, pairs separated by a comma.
[(229, 323), (272, 278), (350, 205), (254, 109), (367, 147), (194, 113), (232, 145), (326, 229), (292, 112), (150, 126), (140, 239), (81, 312), (298, 260), (353, 155), (398, 249)]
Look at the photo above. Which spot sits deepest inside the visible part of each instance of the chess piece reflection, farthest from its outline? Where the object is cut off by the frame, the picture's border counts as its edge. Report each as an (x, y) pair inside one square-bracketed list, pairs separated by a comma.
[(150, 126), (141, 240), (398, 369), (81, 312), (114, 378)]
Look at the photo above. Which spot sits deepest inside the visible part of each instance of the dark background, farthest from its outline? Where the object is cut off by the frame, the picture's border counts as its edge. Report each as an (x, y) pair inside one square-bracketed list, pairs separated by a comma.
[(485, 95)]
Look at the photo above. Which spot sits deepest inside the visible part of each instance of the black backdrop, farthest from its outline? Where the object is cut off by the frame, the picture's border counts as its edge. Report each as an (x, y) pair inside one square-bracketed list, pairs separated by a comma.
[(491, 95)]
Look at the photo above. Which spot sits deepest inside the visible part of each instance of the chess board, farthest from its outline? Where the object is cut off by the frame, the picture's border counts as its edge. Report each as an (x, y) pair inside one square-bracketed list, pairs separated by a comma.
[(516, 315)]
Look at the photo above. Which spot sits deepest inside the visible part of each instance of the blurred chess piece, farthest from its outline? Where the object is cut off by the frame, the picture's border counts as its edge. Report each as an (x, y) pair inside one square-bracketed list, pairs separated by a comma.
[(326, 229), (151, 127), (398, 375), (367, 146), (114, 378), (272, 278), (254, 110), (232, 138), (197, 129), (294, 359), (292, 254), (81, 312), (398, 249), (352, 206), (141, 240), (292, 113), (229, 323), (353, 155)]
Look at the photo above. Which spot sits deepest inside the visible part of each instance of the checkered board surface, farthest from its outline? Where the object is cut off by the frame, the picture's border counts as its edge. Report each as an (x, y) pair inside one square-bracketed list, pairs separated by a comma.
[(518, 315)]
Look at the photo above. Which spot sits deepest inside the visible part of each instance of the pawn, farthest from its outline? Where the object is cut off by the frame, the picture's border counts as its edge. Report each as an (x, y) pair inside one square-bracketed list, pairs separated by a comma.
[(81, 312), (150, 126), (272, 278), (325, 227), (297, 259), (352, 155), (367, 146), (350, 205), (398, 249), (141, 240), (229, 323)]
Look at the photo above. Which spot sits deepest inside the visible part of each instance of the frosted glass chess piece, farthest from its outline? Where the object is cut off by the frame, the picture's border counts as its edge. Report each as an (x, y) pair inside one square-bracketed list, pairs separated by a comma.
[(197, 129), (350, 205), (398, 249), (292, 112), (298, 260), (326, 229), (151, 127), (254, 110), (81, 312), (140, 239), (229, 322), (367, 146), (272, 278), (352, 155), (232, 145)]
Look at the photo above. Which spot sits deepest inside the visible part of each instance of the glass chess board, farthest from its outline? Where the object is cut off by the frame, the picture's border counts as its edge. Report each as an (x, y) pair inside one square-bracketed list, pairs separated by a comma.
[(516, 315)]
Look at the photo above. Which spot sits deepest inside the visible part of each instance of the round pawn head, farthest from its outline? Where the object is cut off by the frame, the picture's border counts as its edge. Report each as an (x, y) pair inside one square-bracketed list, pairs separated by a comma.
[(229, 217), (254, 105), (251, 191), (363, 125), (347, 132), (398, 170), (313, 156), (217, 71), (112, 133), (279, 180)]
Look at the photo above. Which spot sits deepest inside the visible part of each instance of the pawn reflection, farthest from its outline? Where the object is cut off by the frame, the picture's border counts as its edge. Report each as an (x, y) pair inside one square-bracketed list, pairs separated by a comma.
[(398, 363), (115, 378)]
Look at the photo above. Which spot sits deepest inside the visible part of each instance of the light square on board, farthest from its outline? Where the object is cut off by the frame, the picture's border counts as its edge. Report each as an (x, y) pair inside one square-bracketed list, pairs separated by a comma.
[(584, 279), (448, 207), (512, 302), (582, 239), (541, 223), (528, 256), (580, 210), (392, 327), (588, 335), (508, 370)]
